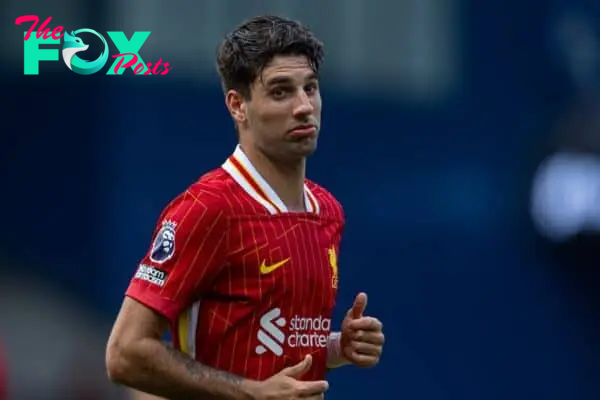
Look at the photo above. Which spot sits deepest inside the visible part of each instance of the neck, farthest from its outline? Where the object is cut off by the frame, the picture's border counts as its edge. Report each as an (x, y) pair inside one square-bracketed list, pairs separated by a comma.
[(286, 179)]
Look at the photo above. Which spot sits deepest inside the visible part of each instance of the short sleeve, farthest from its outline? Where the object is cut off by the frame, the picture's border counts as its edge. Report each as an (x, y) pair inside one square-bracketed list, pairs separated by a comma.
[(185, 256)]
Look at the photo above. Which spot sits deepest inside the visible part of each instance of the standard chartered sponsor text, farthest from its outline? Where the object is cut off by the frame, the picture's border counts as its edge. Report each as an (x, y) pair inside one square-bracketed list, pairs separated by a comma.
[(308, 332)]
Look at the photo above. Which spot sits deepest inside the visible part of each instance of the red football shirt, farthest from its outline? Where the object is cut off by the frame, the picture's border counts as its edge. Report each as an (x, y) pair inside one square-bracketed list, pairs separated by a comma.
[(249, 287)]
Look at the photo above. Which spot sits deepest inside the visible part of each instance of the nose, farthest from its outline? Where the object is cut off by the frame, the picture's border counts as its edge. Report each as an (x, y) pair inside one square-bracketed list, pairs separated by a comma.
[(303, 106)]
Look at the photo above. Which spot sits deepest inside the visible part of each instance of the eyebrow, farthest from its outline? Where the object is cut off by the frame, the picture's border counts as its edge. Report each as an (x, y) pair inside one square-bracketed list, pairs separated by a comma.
[(278, 80)]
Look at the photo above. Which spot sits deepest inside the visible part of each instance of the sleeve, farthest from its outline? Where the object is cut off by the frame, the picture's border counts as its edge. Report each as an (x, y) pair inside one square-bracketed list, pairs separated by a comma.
[(186, 254)]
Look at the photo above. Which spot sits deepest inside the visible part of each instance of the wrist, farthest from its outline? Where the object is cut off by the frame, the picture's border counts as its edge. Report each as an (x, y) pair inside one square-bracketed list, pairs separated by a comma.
[(250, 389), (335, 356)]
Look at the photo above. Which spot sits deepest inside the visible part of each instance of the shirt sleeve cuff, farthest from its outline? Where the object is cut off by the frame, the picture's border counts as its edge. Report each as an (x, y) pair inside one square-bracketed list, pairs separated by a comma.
[(335, 358), (166, 307)]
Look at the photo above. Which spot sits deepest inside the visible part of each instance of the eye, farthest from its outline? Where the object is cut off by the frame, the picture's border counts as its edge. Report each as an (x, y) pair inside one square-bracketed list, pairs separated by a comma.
[(278, 93), (311, 88)]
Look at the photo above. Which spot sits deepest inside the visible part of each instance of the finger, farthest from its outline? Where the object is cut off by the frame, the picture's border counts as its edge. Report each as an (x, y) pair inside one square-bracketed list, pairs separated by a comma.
[(358, 308), (366, 324), (366, 349), (363, 360), (312, 388), (299, 369), (368, 337)]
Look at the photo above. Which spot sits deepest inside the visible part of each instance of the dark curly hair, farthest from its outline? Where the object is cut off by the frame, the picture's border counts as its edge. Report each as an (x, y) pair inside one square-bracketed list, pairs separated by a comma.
[(246, 51)]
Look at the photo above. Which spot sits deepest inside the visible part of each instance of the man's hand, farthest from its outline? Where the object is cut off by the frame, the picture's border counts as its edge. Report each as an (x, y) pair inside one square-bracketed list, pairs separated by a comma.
[(284, 385), (362, 337)]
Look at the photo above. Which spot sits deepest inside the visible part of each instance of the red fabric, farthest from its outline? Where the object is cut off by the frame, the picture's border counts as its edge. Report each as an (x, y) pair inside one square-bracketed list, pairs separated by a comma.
[(249, 323)]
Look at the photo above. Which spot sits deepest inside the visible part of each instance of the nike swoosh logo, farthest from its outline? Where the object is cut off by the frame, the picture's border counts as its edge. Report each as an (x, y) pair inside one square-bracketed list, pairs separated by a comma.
[(267, 269)]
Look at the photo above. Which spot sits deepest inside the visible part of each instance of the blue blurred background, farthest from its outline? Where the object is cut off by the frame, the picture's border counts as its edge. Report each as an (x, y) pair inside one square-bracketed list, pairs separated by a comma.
[(478, 255)]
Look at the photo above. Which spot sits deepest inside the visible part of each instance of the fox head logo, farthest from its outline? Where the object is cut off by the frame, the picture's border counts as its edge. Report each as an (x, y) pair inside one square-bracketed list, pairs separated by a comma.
[(73, 44)]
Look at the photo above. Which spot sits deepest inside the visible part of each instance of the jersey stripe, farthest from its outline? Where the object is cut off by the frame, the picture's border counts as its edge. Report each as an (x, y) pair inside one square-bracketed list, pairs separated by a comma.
[(257, 178), (239, 178), (255, 185), (311, 201), (247, 176), (187, 326)]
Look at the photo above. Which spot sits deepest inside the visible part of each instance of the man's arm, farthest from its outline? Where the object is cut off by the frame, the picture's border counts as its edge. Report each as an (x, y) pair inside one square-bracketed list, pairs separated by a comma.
[(136, 357), (185, 256)]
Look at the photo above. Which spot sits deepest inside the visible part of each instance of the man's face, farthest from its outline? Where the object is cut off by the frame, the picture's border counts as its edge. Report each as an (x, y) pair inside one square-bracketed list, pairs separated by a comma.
[(283, 115)]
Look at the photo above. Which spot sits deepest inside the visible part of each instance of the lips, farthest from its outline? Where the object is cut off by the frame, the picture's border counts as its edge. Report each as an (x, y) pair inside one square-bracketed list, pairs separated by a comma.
[(304, 130)]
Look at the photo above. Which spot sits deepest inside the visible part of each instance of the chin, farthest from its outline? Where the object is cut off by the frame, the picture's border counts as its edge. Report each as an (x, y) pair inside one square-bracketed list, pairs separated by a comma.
[(305, 147)]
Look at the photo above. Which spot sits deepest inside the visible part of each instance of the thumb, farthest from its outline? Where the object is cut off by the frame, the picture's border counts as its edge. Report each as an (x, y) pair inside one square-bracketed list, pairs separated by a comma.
[(299, 369), (358, 308)]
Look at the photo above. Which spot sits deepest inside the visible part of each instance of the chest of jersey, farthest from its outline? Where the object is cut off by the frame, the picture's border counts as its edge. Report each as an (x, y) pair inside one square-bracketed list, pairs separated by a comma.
[(273, 302), (289, 259)]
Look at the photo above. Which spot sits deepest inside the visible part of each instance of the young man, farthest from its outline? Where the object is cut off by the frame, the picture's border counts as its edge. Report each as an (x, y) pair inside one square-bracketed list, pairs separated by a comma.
[(243, 266)]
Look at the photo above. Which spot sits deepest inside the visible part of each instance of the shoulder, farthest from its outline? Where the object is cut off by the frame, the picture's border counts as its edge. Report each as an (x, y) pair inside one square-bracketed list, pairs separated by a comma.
[(205, 198), (329, 205)]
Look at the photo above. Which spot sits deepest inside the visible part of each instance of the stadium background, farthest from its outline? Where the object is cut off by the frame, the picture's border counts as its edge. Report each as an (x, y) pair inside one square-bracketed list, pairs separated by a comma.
[(437, 114)]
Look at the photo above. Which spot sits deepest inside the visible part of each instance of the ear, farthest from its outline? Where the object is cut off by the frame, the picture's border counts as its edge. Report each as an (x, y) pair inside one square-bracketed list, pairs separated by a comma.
[(236, 105)]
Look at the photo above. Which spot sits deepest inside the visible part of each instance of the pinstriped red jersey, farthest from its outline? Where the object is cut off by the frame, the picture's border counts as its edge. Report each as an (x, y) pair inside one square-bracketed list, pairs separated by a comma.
[(249, 287)]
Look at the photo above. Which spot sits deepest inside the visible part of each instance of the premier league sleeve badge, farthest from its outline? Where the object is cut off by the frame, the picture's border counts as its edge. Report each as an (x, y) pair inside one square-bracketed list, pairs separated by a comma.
[(163, 246)]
